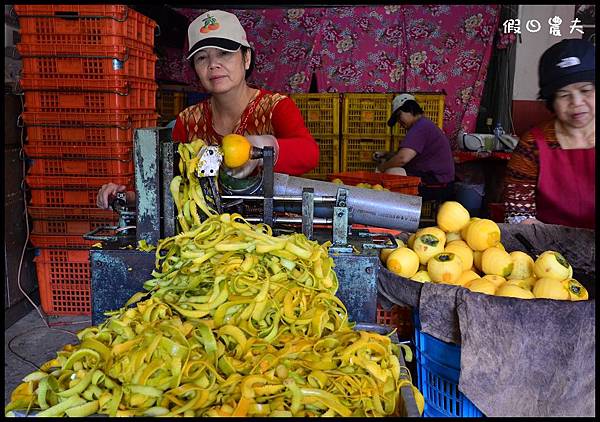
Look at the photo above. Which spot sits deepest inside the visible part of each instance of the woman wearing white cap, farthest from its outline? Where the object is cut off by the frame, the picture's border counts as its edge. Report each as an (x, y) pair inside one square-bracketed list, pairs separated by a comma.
[(222, 58), (551, 176), (424, 152)]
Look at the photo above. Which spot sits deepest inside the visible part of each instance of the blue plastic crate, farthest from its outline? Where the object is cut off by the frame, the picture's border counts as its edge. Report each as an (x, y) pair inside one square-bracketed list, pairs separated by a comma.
[(438, 372)]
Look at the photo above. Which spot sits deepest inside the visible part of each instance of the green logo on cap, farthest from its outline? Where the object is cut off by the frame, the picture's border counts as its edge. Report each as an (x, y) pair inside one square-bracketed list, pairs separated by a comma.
[(210, 24)]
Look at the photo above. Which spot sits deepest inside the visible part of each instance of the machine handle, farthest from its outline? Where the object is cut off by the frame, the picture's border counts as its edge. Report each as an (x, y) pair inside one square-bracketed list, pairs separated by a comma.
[(388, 236), (92, 235), (118, 201)]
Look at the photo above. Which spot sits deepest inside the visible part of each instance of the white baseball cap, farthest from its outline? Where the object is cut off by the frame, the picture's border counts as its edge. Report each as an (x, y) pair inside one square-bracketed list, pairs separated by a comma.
[(398, 102), (216, 29)]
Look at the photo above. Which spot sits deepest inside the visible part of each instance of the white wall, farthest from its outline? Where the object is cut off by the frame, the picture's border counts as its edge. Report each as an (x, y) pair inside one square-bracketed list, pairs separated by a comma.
[(532, 45)]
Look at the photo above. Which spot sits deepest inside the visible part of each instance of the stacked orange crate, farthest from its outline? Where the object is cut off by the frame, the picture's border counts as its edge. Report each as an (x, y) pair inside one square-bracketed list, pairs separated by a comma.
[(89, 81)]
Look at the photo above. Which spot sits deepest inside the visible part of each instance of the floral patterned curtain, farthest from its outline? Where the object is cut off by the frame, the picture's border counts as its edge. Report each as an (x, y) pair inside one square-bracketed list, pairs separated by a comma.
[(393, 48)]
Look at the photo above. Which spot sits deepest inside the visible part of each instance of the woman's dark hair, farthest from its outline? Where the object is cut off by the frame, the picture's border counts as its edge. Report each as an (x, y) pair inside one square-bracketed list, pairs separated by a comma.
[(244, 49), (251, 67), (412, 107)]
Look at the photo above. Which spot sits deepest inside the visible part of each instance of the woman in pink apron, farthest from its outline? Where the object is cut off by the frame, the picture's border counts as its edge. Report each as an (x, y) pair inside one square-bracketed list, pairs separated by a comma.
[(551, 174)]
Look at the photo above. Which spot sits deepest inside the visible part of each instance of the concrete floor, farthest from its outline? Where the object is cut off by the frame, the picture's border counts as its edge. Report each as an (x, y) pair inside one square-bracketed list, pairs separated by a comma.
[(30, 339)]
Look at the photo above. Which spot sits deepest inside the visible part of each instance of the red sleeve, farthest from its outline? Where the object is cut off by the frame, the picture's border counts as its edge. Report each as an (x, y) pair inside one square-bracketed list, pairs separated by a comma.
[(179, 134), (298, 150)]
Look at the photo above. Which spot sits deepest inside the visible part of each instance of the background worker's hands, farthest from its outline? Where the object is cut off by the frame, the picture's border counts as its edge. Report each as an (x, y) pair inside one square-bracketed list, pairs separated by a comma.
[(107, 191), (259, 141), (398, 171), (381, 157)]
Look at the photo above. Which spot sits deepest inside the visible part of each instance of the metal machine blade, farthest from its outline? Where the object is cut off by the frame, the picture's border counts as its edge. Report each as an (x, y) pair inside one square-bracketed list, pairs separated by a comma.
[(207, 172), (211, 193)]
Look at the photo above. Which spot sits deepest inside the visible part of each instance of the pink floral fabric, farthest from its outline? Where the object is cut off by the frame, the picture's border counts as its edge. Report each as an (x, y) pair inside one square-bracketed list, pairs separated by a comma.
[(393, 48)]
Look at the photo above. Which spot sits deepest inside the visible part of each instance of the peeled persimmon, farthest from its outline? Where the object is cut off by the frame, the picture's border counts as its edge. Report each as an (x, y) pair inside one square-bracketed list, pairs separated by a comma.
[(236, 150)]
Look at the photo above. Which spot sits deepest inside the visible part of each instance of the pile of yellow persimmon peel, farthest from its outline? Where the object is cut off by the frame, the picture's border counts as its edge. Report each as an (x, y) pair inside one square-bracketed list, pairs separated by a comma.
[(235, 322)]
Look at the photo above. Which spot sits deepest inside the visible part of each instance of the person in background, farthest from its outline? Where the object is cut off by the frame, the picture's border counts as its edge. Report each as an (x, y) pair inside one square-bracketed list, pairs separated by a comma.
[(550, 177), (223, 59), (425, 151)]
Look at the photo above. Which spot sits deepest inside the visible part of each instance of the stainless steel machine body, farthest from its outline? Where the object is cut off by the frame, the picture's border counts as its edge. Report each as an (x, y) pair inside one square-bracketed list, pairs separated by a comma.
[(370, 207), (118, 273)]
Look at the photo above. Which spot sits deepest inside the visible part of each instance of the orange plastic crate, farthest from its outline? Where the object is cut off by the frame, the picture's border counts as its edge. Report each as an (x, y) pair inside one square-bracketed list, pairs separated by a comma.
[(53, 129), (136, 95), (87, 168), (75, 227), (70, 214), (403, 184), (122, 85), (64, 281), (399, 317), (80, 150), (85, 62), (76, 182), (84, 25), (376, 230), (116, 119), (63, 198), (60, 241)]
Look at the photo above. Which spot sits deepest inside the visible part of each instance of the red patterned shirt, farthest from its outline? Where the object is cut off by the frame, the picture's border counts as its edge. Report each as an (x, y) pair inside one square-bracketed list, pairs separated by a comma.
[(522, 175), (267, 114)]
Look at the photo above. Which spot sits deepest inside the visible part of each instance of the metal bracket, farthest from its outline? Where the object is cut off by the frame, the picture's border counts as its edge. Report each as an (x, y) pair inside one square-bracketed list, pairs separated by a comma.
[(153, 161), (167, 156), (340, 222), (268, 158), (209, 162), (308, 211), (207, 171)]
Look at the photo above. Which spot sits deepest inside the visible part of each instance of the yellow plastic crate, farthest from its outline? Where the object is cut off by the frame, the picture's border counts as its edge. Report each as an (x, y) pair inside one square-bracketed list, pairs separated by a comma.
[(366, 114), (169, 103), (329, 157), (433, 108), (357, 152), (428, 213), (321, 112), (427, 209)]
